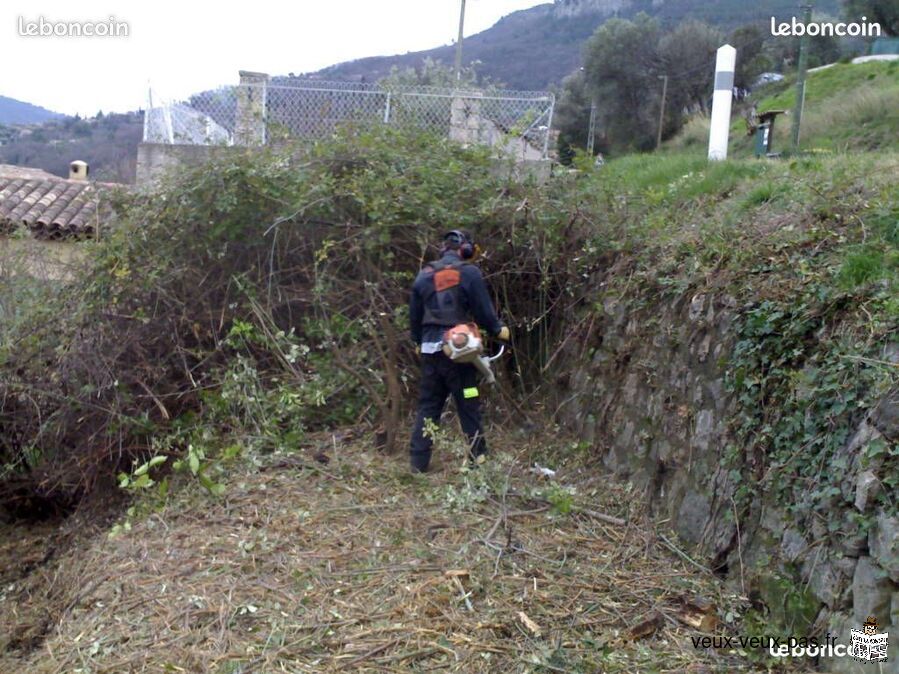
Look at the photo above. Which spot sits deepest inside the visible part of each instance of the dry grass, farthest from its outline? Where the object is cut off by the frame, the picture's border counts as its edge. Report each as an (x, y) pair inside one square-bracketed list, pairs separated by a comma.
[(693, 136), (334, 558), (858, 122)]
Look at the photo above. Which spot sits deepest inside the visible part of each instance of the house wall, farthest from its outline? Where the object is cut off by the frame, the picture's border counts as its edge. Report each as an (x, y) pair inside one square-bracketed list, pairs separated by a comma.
[(43, 260), (154, 159)]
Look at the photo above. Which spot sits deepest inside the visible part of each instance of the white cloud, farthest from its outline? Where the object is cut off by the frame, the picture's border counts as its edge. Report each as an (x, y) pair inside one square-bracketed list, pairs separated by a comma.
[(186, 46)]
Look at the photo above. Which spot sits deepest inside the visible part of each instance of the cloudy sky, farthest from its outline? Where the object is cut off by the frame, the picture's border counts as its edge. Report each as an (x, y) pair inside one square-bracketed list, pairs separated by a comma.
[(183, 46)]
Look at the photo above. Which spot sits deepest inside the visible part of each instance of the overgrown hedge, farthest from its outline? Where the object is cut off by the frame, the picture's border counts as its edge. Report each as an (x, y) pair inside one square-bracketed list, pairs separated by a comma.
[(258, 297)]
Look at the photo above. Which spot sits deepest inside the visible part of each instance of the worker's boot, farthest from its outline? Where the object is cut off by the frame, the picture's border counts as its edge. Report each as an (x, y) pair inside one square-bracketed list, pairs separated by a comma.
[(419, 462)]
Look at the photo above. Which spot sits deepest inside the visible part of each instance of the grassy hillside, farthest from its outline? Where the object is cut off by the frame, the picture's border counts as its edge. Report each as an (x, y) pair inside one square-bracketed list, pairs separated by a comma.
[(847, 108)]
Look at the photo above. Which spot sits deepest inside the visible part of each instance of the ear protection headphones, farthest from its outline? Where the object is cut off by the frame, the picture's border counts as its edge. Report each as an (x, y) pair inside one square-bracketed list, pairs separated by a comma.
[(467, 248)]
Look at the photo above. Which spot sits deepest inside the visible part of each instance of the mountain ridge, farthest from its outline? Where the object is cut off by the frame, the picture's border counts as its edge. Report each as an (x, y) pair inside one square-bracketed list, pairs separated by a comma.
[(535, 48), (14, 111)]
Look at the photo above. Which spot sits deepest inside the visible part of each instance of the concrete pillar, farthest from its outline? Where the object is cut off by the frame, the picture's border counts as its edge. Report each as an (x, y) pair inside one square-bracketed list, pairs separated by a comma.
[(465, 118), (721, 102), (249, 126)]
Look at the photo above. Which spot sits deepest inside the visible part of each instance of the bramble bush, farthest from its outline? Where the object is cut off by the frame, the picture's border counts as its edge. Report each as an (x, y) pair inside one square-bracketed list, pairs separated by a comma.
[(253, 298)]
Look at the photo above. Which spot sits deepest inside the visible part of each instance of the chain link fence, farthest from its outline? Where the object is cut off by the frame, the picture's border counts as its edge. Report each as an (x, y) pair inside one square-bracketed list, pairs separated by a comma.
[(518, 122)]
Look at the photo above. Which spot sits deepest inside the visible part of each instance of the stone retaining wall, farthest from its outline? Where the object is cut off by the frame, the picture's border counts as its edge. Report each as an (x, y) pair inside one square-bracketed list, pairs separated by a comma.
[(652, 399)]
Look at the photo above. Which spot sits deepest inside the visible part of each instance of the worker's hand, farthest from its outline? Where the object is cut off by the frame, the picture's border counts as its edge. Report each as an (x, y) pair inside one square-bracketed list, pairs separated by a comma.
[(418, 350), (503, 334)]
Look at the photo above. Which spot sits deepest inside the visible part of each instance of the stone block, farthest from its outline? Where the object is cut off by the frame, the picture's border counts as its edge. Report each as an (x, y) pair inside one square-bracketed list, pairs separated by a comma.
[(702, 431), (692, 516), (872, 591), (772, 519), (885, 416), (826, 577), (697, 304), (792, 545), (867, 486), (849, 454), (883, 542)]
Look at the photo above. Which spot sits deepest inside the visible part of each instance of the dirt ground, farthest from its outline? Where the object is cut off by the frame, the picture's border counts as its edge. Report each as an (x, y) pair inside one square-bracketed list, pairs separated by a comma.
[(335, 558)]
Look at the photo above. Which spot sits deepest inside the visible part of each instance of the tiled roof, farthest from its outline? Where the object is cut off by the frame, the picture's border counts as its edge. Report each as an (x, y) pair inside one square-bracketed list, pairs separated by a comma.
[(49, 206)]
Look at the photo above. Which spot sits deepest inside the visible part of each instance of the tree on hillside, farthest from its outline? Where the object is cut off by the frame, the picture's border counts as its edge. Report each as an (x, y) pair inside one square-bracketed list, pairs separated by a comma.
[(884, 12), (784, 52), (572, 115), (749, 41), (621, 62), (687, 56), (624, 61), (433, 73)]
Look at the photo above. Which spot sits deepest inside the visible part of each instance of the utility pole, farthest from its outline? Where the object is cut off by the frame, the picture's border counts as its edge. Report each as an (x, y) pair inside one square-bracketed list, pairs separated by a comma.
[(591, 132), (800, 77), (664, 79), (459, 43)]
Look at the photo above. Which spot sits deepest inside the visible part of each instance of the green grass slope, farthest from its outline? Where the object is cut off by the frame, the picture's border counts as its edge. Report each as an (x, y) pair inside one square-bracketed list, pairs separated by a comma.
[(848, 108)]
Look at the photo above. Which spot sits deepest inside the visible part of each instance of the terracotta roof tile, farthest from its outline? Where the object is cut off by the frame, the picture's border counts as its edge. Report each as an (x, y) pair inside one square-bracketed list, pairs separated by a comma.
[(49, 206)]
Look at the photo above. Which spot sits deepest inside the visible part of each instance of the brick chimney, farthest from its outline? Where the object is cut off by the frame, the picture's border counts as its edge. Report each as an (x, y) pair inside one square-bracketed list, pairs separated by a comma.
[(78, 170)]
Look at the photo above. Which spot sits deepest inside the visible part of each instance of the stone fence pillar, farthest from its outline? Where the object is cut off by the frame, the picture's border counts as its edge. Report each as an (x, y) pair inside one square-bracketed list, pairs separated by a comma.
[(465, 118), (249, 128)]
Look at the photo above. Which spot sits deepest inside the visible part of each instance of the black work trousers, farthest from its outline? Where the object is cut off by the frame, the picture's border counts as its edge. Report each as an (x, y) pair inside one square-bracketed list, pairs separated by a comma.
[(441, 377)]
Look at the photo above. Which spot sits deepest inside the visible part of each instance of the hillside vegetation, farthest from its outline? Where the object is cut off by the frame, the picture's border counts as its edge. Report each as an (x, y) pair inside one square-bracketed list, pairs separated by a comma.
[(848, 108), (231, 278), (535, 48), (108, 143)]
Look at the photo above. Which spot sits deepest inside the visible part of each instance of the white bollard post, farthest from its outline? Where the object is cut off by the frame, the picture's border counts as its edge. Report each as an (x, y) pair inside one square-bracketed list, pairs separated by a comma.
[(721, 101)]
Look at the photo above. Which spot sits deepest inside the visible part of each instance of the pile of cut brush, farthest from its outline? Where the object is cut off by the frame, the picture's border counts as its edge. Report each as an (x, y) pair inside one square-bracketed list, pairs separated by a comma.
[(333, 558)]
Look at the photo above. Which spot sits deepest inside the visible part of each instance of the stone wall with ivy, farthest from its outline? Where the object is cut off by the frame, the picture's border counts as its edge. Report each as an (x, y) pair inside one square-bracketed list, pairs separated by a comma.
[(753, 395), (769, 445)]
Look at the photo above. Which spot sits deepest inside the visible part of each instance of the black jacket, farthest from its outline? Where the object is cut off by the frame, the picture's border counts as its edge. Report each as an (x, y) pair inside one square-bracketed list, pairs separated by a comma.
[(474, 299)]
